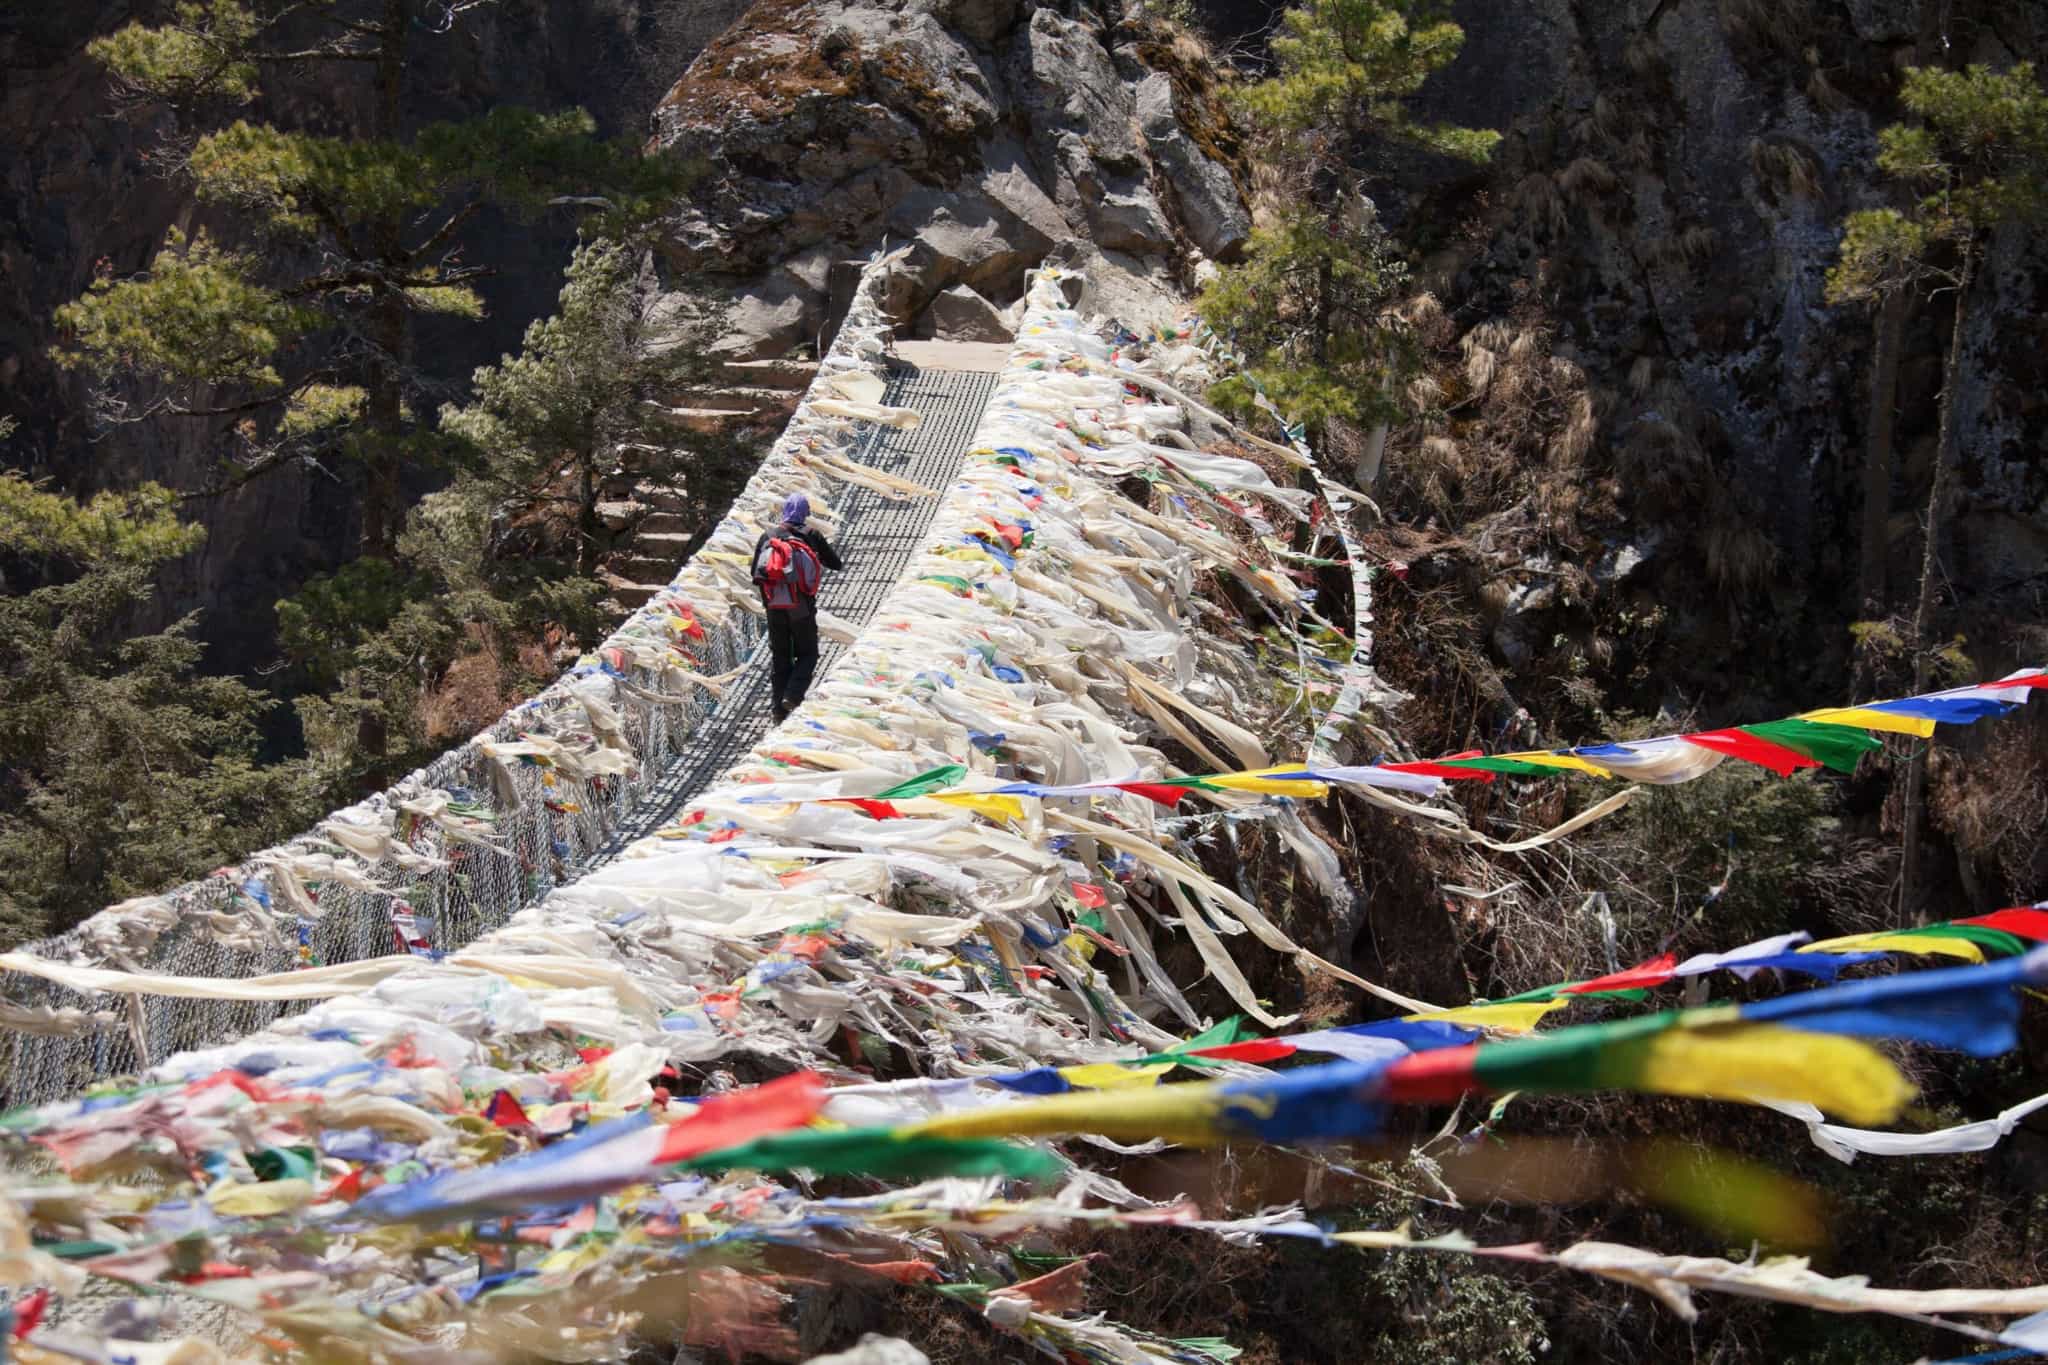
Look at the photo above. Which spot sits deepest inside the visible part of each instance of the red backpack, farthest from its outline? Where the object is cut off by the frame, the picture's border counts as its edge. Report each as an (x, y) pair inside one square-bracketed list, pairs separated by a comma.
[(788, 571)]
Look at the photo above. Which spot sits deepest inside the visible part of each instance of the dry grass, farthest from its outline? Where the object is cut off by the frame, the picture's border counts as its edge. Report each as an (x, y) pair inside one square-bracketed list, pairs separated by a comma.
[(1785, 169), (1574, 440), (1823, 95), (1781, 26), (1587, 178), (1740, 558), (1645, 59), (1538, 203)]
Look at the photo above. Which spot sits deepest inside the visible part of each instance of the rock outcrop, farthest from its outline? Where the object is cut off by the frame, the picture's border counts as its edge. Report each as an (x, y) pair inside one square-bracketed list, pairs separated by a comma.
[(981, 131)]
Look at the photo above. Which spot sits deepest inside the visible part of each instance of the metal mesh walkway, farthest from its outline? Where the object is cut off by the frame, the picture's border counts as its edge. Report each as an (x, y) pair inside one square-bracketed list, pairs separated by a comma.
[(877, 536)]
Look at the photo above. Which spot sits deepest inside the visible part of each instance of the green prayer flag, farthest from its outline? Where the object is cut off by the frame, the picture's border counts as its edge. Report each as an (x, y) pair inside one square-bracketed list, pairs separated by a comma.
[(879, 1152), (923, 783), (1837, 746)]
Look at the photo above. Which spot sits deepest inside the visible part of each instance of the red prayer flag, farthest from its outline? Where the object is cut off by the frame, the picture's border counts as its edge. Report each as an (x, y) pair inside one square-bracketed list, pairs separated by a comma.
[(1439, 770), (1750, 749), (743, 1115), (1251, 1050), (1441, 1076), (1165, 795), (506, 1112), (1090, 895), (28, 1314), (880, 810), (1655, 972), (2025, 921)]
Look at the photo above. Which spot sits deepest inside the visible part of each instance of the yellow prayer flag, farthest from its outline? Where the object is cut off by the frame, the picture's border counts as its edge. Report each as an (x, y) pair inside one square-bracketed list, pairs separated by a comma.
[(1113, 1076), (1518, 1017), (1858, 718), (1932, 945)]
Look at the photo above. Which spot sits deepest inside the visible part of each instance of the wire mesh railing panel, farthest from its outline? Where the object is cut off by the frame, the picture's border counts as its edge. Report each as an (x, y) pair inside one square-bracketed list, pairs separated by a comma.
[(456, 849)]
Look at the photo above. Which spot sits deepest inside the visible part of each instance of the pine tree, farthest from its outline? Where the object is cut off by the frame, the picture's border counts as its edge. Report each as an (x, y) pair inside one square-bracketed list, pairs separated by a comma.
[(301, 342), (1311, 305), (1978, 159), (547, 424), (122, 769), (504, 556)]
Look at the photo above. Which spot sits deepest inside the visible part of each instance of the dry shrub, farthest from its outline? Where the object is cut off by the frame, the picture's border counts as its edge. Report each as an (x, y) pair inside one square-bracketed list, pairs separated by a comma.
[(1768, 25), (1481, 365), (1574, 440), (1697, 243), (1644, 58), (1662, 462), (1739, 556), (1538, 203), (1785, 169), (1587, 177), (1642, 373), (1821, 92), (1992, 802), (1427, 322), (1608, 119)]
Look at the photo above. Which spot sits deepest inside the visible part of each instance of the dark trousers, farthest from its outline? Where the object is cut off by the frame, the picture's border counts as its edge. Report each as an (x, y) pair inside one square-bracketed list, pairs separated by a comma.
[(792, 655)]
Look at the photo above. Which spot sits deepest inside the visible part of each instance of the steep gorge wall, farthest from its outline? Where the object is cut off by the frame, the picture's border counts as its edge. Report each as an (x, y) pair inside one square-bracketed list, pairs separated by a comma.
[(1668, 200)]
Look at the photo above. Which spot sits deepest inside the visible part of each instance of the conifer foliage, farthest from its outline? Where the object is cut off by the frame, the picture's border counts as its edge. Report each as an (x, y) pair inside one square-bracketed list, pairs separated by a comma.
[(1312, 303), (299, 340), (123, 769)]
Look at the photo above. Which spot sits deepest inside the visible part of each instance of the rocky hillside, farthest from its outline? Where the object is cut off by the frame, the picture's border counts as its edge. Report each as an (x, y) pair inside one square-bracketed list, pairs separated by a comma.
[(982, 131)]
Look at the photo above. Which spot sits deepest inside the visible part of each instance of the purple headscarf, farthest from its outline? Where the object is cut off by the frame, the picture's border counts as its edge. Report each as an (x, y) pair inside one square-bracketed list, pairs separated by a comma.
[(796, 510)]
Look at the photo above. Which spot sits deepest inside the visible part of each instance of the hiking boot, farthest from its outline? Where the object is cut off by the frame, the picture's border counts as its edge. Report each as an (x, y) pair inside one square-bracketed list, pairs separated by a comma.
[(781, 713)]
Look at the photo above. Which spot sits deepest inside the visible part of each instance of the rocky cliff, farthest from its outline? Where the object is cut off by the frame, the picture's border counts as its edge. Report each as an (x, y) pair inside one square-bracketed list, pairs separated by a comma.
[(1661, 217), (982, 131)]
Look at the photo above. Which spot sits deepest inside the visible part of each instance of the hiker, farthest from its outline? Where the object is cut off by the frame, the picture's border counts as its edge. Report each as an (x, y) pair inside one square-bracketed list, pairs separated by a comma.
[(790, 560)]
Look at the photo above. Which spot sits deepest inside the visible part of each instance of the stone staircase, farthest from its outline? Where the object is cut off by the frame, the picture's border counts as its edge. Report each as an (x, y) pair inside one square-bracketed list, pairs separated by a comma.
[(651, 508)]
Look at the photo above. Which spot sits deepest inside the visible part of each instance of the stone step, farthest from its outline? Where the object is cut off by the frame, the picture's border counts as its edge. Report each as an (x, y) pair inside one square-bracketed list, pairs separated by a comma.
[(665, 523), (631, 595), (661, 497), (659, 543), (793, 376), (620, 512), (645, 568)]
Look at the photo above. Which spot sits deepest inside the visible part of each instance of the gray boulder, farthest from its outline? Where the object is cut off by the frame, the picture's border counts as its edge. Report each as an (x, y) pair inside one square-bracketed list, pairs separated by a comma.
[(1210, 206), (960, 314), (769, 321)]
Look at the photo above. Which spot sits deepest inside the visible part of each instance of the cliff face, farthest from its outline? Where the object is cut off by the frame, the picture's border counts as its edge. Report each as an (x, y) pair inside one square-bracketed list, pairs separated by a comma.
[(76, 191), (1667, 202), (983, 131)]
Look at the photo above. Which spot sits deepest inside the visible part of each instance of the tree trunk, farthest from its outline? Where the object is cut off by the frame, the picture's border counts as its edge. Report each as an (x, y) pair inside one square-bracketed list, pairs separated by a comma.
[(586, 505), (390, 323), (1923, 611), (1369, 462), (1877, 469)]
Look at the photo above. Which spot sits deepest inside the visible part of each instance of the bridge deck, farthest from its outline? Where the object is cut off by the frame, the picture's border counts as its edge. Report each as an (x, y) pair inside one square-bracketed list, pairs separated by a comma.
[(877, 537)]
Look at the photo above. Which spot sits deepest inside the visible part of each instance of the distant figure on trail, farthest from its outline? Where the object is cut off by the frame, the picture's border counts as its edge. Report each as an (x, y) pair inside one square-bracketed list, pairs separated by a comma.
[(790, 560)]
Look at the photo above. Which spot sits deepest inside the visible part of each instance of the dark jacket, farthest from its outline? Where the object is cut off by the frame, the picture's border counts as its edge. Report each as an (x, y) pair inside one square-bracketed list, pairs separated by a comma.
[(827, 556)]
